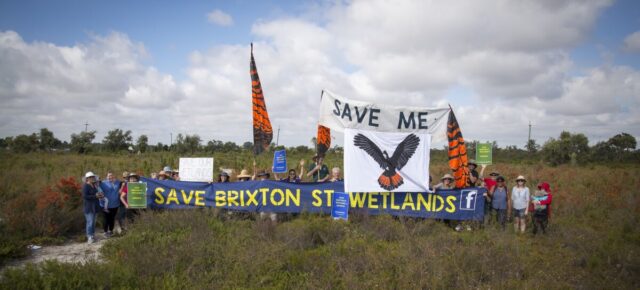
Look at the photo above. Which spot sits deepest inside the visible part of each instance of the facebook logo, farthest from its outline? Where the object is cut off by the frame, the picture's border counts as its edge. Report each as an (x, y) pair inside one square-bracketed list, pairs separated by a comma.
[(468, 199)]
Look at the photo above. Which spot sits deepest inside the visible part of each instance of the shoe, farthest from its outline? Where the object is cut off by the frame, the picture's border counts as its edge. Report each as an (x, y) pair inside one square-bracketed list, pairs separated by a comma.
[(107, 235), (90, 240), (458, 228), (468, 228)]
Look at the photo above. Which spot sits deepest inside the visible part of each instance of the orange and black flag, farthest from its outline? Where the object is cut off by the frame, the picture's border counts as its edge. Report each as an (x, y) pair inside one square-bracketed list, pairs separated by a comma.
[(262, 131), (324, 140), (457, 152)]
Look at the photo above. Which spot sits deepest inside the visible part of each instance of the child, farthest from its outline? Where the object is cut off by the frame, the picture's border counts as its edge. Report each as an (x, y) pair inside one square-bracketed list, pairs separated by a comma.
[(542, 206), (103, 201)]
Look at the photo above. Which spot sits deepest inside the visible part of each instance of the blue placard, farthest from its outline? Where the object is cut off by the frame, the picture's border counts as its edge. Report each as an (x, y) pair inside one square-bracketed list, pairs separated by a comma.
[(340, 207), (280, 161)]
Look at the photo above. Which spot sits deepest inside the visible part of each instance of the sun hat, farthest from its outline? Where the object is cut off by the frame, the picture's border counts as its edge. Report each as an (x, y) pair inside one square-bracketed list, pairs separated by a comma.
[(133, 174), (495, 173), (163, 173), (447, 176), (472, 162), (167, 169), (244, 174), (500, 178), (263, 173), (520, 177), (224, 173), (89, 174)]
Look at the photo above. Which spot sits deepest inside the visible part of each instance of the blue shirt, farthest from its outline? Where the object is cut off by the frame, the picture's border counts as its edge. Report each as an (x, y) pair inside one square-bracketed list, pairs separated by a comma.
[(111, 192)]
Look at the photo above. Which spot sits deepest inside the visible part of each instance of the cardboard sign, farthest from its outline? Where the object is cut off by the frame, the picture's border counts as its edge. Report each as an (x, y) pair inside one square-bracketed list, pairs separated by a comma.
[(196, 169), (484, 153), (340, 207), (280, 161), (137, 194)]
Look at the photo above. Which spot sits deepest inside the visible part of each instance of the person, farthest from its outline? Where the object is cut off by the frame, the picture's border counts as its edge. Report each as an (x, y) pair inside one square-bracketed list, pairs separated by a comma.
[(335, 175), (223, 177), (162, 175), (292, 176), (318, 171), (154, 175), (541, 201), (176, 175), (446, 182), (244, 175), (262, 175), (122, 210), (501, 201), (490, 185), (168, 172), (111, 189), (520, 198), (90, 197), (123, 192), (473, 173)]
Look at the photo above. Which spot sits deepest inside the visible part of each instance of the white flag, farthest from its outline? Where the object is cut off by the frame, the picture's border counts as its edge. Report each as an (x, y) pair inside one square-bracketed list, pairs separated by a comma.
[(339, 113), (384, 161)]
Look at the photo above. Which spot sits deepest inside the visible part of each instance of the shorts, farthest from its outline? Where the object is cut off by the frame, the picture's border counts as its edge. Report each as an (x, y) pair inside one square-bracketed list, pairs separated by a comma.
[(519, 213)]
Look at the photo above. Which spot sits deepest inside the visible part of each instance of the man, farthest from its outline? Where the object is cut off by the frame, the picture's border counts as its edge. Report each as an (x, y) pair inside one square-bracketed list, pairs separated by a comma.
[(473, 173), (111, 189), (318, 171)]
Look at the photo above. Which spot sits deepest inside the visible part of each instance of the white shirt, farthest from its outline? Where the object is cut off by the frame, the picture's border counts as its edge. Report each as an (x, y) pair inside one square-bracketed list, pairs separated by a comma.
[(520, 197)]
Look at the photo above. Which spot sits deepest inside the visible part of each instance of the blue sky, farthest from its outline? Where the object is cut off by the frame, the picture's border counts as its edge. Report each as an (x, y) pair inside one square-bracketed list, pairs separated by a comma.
[(573, 63)]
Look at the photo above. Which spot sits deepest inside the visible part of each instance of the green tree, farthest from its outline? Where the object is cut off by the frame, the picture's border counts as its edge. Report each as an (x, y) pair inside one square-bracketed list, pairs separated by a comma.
[(142, 143), (117, 139), (81, 142), (623, 142), (247, 145), (6, 142), (192, 143), (531, 146), (567, 147), (47, 140), (25, 143)]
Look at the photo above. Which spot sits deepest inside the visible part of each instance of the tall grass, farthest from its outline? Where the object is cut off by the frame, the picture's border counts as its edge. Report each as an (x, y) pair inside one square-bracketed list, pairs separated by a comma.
[(593, 241)]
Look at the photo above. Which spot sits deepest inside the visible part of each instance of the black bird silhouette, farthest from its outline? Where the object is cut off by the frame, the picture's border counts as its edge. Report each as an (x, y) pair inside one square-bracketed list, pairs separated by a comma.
[(389, 179)]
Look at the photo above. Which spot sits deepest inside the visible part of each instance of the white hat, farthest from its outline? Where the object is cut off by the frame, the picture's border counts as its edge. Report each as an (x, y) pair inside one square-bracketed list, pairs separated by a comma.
[(89, 174), (520, 177)]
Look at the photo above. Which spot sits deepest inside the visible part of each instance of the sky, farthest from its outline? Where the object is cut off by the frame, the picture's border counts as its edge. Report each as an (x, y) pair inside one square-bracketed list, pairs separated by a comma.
[(161, 68)]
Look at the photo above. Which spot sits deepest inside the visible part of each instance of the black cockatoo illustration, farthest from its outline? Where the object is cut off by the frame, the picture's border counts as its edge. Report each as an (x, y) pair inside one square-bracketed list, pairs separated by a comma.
[(389, 179)]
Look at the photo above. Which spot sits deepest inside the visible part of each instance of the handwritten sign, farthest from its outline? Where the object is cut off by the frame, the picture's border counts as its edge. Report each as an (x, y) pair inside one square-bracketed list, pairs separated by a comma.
[(196, 169)]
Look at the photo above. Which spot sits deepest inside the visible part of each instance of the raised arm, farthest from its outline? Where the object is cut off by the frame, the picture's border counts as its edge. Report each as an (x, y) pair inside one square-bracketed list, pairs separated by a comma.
[(301, 169)]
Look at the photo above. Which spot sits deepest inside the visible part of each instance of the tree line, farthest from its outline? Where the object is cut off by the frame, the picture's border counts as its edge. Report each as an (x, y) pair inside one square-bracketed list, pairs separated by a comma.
[(567, 148)]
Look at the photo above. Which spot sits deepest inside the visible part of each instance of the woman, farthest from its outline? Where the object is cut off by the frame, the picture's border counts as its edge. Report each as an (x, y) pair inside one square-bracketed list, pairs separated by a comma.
[(446, 182), (335, 175), (111, 188), (244, 175), (541, 204), (123, 192), (501, 201), (223, 177), (520, 197), (90, 198)]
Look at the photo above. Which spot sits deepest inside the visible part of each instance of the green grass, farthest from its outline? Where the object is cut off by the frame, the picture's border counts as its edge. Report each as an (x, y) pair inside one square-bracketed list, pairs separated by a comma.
[(593, 242)]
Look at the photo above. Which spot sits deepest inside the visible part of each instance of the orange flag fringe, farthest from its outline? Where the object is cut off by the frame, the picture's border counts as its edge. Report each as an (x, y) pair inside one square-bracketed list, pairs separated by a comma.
[(262, 131), (457, 152), (324, 140)]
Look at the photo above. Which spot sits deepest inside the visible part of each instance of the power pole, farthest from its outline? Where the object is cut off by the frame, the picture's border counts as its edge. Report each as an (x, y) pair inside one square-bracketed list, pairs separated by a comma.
[(170, 140), (86, 126), (529, 140), (278, 136)]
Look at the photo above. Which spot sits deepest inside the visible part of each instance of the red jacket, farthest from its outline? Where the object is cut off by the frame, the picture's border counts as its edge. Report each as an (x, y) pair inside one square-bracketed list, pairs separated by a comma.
[(547, 201)]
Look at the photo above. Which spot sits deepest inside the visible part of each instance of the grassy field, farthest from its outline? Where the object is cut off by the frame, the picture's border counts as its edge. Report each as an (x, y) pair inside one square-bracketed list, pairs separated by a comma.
[(593, 242)]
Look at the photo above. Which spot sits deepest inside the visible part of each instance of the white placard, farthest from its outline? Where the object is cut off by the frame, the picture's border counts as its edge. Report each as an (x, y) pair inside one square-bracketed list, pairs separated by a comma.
[(196, 169)]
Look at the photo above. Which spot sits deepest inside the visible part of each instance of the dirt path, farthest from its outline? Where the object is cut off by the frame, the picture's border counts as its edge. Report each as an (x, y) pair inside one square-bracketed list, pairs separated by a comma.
[(71, 252)]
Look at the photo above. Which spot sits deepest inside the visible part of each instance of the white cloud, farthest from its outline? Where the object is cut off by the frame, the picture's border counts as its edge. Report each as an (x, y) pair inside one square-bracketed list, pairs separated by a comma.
[(632, 42), (218, 17), (512, 58)]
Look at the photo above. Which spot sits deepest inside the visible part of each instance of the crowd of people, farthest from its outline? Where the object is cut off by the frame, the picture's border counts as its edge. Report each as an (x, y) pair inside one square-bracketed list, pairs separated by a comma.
[(109, 196)]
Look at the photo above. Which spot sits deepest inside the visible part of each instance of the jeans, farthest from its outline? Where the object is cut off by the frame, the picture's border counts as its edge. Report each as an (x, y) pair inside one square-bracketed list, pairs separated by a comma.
[(90, 218)]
